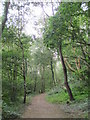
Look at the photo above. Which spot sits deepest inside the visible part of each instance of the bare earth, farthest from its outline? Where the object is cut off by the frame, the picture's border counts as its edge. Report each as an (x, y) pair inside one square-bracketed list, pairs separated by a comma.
[(40, 108)]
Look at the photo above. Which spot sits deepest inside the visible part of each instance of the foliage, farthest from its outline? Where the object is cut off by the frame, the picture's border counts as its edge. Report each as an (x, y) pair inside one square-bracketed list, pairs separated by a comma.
[(59, 95), (14, 110), (32, 66)]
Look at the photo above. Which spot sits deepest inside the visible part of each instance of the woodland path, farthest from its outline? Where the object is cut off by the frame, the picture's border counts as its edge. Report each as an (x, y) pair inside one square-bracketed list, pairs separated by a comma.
[(40, 108)]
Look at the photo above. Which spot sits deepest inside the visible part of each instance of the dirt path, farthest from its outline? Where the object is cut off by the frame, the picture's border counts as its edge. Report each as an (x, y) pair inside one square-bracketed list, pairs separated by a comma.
[(40, 108)]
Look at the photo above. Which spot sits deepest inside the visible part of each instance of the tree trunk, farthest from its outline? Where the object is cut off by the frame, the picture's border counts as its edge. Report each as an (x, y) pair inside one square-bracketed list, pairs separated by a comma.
[(35, 85), (43, 81), (26, 63), (14, 85), (4, 16), (23, 57), (24, 77), (43, 86), (53, 80), (65, 75), (55, 74), (52, 8), (24, 87)]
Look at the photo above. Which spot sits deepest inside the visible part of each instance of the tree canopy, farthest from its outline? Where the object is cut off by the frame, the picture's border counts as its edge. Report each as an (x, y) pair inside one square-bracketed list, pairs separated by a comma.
[(57, 61)]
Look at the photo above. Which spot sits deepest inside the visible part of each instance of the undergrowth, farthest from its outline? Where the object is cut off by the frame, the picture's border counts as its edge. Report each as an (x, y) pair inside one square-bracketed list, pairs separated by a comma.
[(14, 110), (60, 96)]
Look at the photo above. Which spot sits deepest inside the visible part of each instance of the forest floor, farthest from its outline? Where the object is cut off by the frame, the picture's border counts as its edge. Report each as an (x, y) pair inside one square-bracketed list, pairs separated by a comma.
[(40, 108)]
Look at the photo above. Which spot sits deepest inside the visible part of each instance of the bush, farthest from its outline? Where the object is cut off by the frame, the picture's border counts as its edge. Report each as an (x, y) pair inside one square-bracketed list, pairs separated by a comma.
[(57, 96), (8, 112)]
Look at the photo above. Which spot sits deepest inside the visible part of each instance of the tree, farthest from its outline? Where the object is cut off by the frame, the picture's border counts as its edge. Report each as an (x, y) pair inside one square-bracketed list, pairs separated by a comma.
[(4, 17), (54, 36), (68, 19)]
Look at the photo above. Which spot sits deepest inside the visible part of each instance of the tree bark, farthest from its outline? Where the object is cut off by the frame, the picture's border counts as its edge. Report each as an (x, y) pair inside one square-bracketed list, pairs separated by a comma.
[(53, 80), (52, 7), (23, 69), (13, 86), (5, 17), (65, 75), (35, 81), (26, 66), (24, 77), (43, 81), (23, 57)]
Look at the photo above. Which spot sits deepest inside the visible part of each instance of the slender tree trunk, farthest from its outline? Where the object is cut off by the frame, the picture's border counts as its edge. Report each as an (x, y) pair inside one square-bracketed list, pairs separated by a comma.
[(35, 81), (43, 81), (12, 84), (24, 87), (35, 84), (14, 87), (23, 69), (4, 16), (53, 80), (55, 74), (65, 75), (24, 77), (42, 90), (52, 8), (26, 63), (23, 57)]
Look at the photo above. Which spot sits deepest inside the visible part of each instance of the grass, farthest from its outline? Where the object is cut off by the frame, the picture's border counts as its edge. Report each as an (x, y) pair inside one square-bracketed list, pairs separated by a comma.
[(58, 97), (61, 97), (81, 97)]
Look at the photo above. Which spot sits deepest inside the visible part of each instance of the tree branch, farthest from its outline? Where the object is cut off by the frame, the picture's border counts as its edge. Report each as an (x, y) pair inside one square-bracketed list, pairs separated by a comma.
[(5, 16)]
